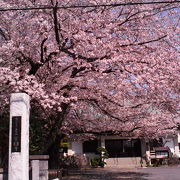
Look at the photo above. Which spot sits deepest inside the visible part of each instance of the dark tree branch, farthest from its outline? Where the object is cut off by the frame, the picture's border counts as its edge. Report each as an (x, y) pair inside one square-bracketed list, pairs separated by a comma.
[(75, 56), (4, 35), (50, 56), (128, 18), (58, 120), (34, 68), (66, 68), (75, 71), (68, 87), (95, 102), (110, 100), (57, 26), (108, 71), (87, 59), (145, 42), (42, 50)]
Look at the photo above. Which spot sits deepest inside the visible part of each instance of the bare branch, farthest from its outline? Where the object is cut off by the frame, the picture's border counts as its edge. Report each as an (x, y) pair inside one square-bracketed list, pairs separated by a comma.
[(95, 102), (145, 42)]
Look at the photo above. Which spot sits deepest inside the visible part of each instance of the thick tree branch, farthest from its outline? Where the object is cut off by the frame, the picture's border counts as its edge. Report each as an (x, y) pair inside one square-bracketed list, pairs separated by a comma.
[(75, 56), (66, 68), (75, 71), (34, 66), (43, 50), (110, 100), (145, 42), (57, 26), (95, 102), (3, 34)]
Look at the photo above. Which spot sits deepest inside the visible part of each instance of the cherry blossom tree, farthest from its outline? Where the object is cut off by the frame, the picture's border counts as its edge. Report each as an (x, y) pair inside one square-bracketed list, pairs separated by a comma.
[(96, 69)]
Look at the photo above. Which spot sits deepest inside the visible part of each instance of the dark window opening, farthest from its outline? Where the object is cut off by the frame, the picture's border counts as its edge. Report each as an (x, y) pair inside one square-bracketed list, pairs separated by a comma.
[(123, 148), (90, 146), (155, 143)]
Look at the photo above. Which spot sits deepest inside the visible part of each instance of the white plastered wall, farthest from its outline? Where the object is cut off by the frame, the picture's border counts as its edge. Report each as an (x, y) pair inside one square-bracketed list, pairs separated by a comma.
[(75, 148), (172, 143)]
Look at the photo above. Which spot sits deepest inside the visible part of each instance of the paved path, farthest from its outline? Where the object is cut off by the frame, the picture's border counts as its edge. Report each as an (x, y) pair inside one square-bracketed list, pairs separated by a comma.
[(160, 173)]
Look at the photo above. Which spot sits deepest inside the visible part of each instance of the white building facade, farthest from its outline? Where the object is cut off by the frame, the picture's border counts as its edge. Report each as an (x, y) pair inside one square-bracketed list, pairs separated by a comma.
[(123, 152)]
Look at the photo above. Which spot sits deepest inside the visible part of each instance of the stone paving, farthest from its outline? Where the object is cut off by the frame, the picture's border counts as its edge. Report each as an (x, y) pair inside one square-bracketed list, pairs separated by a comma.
[(106, 174), (160, 173)]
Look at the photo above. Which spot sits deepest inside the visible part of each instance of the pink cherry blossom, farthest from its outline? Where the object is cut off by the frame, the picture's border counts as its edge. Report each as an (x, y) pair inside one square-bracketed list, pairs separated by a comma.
[(104, 69)]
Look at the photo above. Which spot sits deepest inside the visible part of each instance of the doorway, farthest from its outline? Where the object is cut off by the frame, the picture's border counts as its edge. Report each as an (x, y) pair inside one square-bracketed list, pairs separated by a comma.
[(123, 148)]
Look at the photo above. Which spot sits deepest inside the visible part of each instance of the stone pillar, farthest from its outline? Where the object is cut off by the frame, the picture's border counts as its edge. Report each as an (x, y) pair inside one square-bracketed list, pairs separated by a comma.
[(35, 169), (39, 164), (176, 146), (19, 137)]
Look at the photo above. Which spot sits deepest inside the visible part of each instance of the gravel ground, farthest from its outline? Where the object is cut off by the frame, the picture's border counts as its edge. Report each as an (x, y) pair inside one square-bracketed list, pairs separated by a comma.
[(159, 173)]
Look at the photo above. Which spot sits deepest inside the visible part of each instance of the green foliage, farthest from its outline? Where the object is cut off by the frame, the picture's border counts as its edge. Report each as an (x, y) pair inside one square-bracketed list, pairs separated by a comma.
[(36, 137), (38, 133), (100, 160), (102, 163), (103, 153), (95, 162)]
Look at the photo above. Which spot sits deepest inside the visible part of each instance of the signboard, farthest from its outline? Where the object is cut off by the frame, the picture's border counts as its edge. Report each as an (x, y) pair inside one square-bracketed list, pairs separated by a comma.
[(161, 154), (16, 134)]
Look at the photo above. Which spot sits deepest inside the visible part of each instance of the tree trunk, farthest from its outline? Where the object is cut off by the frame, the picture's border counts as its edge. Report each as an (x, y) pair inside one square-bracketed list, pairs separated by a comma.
[(54, 154), (54, 149)]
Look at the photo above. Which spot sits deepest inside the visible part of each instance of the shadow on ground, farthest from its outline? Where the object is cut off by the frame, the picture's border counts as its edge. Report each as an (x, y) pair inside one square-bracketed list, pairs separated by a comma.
[(106, 175)]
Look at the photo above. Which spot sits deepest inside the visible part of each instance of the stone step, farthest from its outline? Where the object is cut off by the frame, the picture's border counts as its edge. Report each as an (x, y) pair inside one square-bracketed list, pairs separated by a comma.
[(124, 162)]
